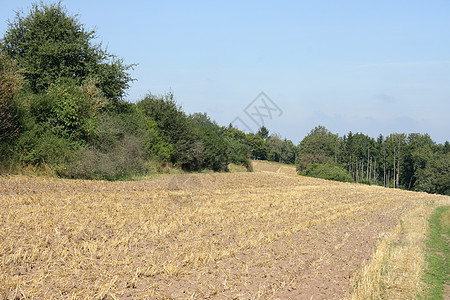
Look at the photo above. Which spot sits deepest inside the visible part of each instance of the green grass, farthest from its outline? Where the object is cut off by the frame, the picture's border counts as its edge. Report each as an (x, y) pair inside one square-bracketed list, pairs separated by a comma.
[(437, 272)]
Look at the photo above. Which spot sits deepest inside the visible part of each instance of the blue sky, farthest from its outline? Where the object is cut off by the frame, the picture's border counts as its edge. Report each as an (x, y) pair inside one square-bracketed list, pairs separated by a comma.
[(361, 66)]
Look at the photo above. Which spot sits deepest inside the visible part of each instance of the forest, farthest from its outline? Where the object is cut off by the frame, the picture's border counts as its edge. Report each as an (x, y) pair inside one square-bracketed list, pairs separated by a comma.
[(63, 111)]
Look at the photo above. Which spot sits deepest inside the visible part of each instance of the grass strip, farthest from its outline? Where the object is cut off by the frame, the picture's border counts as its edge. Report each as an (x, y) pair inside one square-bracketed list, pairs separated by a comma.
[(437, 272)]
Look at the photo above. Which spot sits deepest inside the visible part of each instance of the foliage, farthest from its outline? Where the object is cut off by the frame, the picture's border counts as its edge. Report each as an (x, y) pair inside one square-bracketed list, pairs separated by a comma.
[(122, 160), (275, 145), (122, 145), (238, 150), (263, 132), (10, 84), (50, 44), (155, 145), (215, 147), (39, 145), (70, 110), (289, 152), (434, 177), (327, 171), (258, 147), (283, 151), (175, 129), (318, 147)]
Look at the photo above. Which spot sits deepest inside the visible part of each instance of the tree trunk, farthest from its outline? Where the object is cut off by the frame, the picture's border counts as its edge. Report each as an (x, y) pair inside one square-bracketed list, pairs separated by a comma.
[(389, 178), (394, 168), (398, 165)]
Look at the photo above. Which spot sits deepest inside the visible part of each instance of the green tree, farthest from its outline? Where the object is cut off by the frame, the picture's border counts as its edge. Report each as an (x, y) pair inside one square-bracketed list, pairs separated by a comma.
[(288, 152), (176, 129), (359, 155), (239, 151), (257, 145), (263, 132), (418, 151), (48, 44), (10, 84), (215, 147), (434, 177), (69, 110), (320, 146), (275, 145)]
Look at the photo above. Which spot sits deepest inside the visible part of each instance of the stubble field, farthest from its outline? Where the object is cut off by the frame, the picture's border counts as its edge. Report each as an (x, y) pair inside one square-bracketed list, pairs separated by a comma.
[(265, 234)]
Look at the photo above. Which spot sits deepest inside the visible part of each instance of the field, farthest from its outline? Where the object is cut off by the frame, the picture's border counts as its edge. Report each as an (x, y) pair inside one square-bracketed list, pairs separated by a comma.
[(265, 234)]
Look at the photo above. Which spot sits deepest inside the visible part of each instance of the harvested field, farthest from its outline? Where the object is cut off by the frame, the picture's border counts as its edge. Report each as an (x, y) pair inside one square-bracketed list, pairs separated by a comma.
[(265, 234)]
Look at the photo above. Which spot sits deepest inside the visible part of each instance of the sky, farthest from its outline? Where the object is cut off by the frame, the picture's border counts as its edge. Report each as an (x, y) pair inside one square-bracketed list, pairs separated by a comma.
[(376, 67)]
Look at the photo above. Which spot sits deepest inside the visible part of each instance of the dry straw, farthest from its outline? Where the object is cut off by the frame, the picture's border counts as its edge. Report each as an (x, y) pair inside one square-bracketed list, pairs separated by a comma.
[(397, 265), (94, 239)]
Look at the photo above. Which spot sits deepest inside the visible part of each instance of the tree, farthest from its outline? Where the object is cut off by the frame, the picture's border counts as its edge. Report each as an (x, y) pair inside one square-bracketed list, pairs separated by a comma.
[(288, 152), (176, 129), (417, 151), (239, 151), (48, 44), (394, 144), (359, 155), (257, 145), (263, 132), (10, 84), (215, 147), (275, 145), (71, 111), (434, 177), (319, 146)]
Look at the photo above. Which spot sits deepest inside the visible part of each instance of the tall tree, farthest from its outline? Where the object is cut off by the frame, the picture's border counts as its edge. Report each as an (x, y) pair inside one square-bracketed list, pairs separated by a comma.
[(48, 44), (176, 129), (275, 145), (319, 146), (258, 147), (10, 83), (263, 132)]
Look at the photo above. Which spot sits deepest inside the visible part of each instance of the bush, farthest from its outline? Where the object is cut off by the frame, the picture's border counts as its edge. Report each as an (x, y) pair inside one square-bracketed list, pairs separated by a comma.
[(308, 159), (124, 160), (215, 148), (69, 109), (155, 145), (175, 129), (365, 181), (115, 150), (40, 146), (238, 150), (327, 171), (10, 85)]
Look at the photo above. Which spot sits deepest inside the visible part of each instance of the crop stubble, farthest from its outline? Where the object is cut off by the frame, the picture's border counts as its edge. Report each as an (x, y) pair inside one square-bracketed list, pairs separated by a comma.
[(264, 234)]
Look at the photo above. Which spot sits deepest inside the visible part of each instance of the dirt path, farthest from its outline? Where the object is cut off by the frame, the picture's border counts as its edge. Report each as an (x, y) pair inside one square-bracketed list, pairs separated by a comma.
[(266, 234)]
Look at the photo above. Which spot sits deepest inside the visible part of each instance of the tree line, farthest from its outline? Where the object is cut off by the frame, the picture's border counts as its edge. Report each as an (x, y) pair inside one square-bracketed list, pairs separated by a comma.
[(63, 109), (412, 162)]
